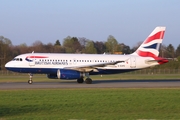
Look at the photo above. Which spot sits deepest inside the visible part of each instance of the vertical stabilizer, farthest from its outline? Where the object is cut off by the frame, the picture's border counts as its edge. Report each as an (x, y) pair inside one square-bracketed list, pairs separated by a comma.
[(150, 47)]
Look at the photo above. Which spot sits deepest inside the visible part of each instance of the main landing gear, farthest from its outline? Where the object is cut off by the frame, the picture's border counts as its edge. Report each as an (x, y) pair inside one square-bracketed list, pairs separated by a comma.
[(87, 81), (80, 80), (30, 78)]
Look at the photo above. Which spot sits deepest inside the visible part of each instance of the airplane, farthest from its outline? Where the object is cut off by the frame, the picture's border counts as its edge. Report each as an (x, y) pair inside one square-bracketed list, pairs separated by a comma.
[(80, 66)]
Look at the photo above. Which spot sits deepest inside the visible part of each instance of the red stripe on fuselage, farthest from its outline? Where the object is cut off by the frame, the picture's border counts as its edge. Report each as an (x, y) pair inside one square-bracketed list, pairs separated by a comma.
[(37, 57), (158, 35)]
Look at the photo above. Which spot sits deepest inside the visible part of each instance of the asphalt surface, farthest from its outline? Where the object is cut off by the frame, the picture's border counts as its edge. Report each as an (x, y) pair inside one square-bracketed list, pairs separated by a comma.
[(95, 84)]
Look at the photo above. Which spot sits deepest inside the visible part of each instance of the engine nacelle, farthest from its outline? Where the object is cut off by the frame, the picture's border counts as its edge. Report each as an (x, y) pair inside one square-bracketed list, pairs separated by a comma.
[(65, 74)]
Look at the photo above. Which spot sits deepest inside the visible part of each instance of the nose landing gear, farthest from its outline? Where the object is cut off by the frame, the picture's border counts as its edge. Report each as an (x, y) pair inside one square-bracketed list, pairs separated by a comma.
[(30, 78)]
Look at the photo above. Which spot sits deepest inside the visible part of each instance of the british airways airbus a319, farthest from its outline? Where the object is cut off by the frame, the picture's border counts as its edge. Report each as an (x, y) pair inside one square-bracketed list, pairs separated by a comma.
[(81, 66)]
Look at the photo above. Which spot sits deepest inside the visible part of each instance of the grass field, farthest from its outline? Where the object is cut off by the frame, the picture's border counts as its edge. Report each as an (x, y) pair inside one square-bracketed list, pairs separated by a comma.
[(90, 104)]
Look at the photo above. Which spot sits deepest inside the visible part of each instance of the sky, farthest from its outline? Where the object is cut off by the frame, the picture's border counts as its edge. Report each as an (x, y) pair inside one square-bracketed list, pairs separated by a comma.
[(129, 21)]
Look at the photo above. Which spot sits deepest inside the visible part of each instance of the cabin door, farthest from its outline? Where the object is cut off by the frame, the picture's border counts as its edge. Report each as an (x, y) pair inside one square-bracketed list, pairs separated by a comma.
[(31, 61), (133, 62)]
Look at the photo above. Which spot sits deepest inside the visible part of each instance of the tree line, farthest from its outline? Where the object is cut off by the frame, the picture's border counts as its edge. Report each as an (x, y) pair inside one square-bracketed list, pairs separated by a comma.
[(76, 45)]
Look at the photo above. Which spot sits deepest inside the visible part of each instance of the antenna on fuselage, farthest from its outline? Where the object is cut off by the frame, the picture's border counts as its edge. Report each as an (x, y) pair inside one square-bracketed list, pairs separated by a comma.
[(32, 52)]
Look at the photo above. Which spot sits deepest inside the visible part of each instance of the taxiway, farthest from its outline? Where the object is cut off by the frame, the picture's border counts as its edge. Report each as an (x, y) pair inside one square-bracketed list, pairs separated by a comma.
[(95, 84)]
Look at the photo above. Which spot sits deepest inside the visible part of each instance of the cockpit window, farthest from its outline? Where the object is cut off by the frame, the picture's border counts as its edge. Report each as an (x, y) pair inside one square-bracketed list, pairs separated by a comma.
[(17, 59)]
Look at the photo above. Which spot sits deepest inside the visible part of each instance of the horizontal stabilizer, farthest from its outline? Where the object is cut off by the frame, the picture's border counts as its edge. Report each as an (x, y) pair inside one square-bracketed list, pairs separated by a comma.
[(159, 60)]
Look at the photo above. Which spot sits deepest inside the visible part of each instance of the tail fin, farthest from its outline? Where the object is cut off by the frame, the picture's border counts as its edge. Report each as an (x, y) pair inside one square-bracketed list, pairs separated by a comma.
[(150, 47)]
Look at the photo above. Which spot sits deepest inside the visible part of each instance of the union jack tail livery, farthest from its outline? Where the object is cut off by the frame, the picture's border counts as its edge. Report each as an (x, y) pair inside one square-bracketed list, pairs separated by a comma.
[(150, 47)]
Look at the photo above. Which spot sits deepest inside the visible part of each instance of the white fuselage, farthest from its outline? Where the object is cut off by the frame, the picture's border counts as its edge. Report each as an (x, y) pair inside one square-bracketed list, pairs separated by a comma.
[(36, 62)]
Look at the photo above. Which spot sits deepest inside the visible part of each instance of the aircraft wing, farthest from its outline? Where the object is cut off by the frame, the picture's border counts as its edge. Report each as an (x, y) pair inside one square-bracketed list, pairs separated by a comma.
[(89, 68)]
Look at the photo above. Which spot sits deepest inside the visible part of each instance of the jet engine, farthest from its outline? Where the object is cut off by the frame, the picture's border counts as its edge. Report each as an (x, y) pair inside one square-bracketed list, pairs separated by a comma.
[(65, 74)]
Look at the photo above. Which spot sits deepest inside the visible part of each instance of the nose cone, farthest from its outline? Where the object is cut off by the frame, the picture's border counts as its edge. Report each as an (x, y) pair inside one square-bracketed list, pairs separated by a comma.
[(8, 65)]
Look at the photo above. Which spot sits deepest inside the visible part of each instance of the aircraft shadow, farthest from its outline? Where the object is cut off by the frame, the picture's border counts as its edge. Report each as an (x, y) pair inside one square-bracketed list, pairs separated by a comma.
[(127, 81)]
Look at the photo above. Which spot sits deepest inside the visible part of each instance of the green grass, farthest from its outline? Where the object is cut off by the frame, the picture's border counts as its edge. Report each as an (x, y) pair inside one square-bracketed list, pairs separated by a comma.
[(90, 104)]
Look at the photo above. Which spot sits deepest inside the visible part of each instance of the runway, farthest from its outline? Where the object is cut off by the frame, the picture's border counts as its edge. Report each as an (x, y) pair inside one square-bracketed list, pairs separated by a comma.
[(95, 84)]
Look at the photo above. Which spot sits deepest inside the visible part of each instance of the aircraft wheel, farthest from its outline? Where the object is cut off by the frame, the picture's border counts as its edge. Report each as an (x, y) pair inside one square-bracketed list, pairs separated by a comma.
[(80, 80), (30, 81), (88, 80)]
